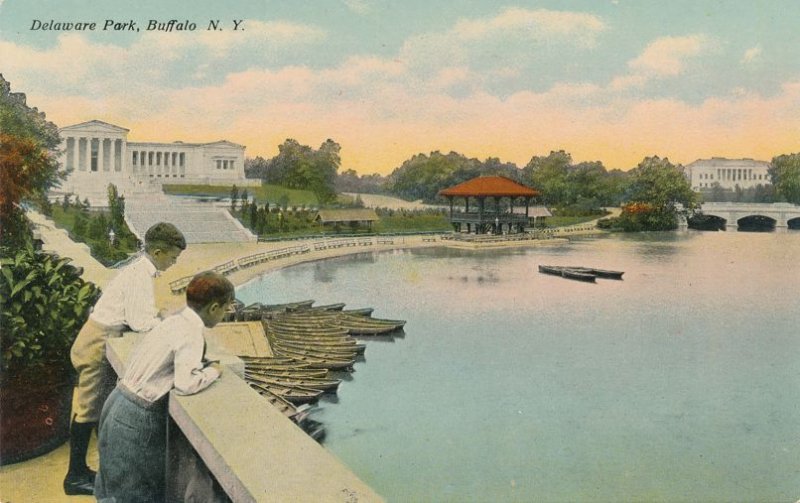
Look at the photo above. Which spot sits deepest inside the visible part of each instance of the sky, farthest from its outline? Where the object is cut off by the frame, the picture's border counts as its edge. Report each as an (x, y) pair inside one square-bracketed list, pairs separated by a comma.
[(607, 80)]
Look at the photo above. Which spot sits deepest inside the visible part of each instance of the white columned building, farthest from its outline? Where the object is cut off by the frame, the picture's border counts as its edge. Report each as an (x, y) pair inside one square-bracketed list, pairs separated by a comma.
[(97, 153), (703, 174)]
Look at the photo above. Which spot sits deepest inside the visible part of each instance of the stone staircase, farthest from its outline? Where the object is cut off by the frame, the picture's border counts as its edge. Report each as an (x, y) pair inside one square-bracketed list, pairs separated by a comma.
[(199, 222)]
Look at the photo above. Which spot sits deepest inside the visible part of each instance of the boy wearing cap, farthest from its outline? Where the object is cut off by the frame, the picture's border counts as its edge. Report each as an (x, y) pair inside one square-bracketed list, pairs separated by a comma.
[(127, 303), (132, 434)]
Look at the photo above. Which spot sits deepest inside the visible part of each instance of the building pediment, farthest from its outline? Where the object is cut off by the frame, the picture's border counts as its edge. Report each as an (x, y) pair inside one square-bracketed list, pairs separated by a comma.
[(94, 126), (223, 144)]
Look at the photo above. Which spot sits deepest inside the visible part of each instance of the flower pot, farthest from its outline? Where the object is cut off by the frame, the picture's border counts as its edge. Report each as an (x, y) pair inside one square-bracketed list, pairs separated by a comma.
[(35, 409)]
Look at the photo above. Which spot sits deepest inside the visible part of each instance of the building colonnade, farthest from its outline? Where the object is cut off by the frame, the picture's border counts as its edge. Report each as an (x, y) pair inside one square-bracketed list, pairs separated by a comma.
[(94, 153)]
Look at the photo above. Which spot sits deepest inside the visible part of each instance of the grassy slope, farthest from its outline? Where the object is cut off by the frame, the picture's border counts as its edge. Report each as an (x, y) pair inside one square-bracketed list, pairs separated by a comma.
[(262, 194)]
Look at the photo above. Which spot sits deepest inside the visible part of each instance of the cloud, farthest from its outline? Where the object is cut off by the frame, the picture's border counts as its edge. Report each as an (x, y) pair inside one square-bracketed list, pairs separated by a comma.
[(751, 54), (667, 56), (581, 28), (664, 57), (360, 7), (385, 109), (514, 37)]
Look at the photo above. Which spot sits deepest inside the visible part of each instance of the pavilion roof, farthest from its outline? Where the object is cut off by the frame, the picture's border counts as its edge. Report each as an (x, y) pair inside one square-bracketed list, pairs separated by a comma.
[(492, 186)]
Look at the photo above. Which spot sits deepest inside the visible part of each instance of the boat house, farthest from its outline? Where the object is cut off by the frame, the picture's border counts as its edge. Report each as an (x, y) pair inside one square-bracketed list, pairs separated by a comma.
[(497, 216)]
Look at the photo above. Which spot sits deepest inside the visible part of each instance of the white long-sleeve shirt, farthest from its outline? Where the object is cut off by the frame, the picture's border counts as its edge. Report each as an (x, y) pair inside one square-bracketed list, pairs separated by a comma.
[(170, 356), (128, 299)]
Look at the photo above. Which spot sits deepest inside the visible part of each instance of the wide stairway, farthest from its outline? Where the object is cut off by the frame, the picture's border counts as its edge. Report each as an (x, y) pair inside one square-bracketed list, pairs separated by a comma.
[(199, 222)]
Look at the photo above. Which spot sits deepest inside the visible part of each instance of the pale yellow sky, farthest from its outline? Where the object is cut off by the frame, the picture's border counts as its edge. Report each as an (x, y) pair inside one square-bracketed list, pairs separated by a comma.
[(604, 82)]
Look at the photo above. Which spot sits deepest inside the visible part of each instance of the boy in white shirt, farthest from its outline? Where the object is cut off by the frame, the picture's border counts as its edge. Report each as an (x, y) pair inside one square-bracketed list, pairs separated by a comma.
[(127, 303), (132, 434)]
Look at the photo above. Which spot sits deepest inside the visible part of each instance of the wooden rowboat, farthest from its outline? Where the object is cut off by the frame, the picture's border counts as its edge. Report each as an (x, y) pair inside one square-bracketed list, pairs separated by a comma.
[(578, 275), (294, 395), (600, 273), (313, 360), (324, 351), (309, 382), (302, 372)]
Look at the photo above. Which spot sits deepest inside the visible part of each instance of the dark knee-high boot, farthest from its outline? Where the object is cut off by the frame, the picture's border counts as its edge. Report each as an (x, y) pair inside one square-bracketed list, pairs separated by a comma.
[(79, 479)]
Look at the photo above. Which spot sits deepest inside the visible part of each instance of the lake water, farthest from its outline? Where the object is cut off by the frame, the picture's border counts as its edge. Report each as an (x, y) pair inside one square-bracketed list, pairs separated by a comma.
[(680, 383)]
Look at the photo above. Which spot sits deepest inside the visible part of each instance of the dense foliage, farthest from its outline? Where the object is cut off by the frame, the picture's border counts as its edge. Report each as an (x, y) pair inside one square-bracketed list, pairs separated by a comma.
[(423, 176), (578, 187), (44, 304), (92, 227), (784, 171), (657, 193), (300, 167), (761, 193), (28, 166), (350, 181)]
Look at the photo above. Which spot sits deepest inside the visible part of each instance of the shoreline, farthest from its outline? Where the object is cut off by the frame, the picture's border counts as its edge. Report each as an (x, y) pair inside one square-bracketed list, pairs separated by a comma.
[(40, 478), (201, 257)]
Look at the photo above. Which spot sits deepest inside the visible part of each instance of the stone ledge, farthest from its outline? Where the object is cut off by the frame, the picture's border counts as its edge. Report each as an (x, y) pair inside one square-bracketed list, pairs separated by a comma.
[(253, 450)]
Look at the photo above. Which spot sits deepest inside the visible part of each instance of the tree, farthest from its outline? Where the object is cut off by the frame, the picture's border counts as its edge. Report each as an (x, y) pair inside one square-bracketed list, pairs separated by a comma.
[(658, 191), (234, 197), (28, 166), (253, 214), (784, 171), (116, 204), (549, 176), (301, 167)]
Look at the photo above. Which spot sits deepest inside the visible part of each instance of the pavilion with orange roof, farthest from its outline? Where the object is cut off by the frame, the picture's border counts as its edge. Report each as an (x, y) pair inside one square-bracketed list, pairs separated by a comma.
[(495, 217)]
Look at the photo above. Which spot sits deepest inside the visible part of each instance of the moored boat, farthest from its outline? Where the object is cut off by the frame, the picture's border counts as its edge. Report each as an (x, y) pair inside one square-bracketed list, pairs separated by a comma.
[(600, 273), (577, 275), (306, 383)]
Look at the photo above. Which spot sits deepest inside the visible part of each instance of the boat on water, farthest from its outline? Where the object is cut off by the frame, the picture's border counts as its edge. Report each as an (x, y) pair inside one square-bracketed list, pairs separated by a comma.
[(322, 343), (550, 269), (600, 273), (299, 373), (294, 395), (364, 311), (580, 273), (318, 351), (316, 360), (307, 382), (344, 351), (327, 307)]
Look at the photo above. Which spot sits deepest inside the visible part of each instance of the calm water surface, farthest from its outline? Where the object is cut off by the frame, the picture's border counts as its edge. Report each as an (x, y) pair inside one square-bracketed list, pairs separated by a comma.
[(680, 383)]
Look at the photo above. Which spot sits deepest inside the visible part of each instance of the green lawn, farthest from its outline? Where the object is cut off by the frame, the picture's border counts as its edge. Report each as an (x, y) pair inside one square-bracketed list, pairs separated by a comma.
[(409, 223), (274, 194)]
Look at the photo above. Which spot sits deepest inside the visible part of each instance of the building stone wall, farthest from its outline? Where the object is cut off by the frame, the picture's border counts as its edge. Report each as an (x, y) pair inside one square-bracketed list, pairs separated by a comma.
[(703, 174), (97, 153)]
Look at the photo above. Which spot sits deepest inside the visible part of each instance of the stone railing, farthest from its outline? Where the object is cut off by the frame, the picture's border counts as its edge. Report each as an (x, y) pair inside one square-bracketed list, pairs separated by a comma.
[(227, 443)]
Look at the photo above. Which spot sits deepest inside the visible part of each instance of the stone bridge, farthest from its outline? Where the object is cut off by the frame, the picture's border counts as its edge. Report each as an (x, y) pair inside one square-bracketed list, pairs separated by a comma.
[(784, 215)]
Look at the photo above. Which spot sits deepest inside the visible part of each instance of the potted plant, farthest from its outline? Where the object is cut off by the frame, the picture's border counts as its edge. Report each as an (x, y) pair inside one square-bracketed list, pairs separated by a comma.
[(44, 304)]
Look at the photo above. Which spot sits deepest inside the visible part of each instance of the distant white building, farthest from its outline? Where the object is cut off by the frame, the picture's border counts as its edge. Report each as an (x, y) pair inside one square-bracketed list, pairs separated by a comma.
[(728, 173), (97, 153)]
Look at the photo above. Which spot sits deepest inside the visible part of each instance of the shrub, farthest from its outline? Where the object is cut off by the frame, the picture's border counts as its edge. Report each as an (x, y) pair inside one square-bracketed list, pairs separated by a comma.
[(44, 304)]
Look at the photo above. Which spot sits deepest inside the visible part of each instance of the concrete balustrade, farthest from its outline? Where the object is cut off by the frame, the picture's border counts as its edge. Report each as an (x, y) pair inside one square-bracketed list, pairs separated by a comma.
[(230, 435)]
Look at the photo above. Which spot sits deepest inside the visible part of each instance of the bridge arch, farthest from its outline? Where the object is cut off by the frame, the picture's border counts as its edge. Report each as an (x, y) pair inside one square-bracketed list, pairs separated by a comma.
[(757, 223), (793, 223), (707, 222)]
